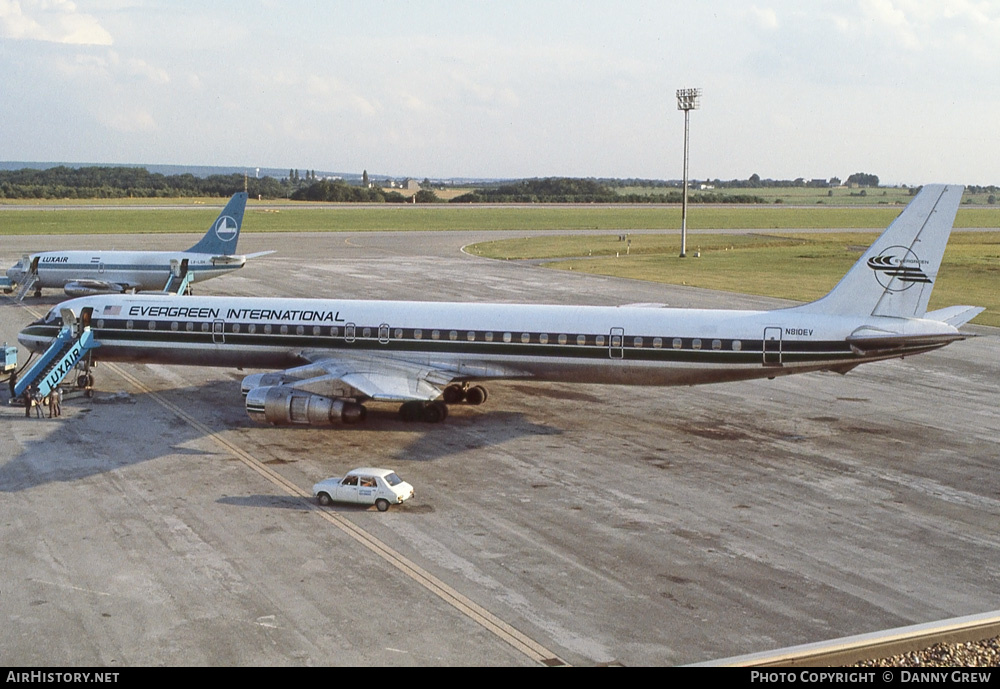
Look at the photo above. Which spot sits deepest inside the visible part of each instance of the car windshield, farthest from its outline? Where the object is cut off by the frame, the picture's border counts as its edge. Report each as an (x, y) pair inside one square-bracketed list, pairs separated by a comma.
[(393, 480)]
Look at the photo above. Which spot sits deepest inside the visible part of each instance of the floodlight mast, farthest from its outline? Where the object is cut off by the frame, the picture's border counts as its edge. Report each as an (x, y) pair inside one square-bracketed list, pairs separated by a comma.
[(687, 100)]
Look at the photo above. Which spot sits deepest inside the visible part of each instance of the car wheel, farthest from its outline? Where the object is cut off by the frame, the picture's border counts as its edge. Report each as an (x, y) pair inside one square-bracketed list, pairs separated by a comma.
[(324, 499), (382, 504)]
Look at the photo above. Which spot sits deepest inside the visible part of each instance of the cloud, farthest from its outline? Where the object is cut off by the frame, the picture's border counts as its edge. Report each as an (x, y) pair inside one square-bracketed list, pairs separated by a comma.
[(765, 18), (128, 120), (110, 67), (55, 21)]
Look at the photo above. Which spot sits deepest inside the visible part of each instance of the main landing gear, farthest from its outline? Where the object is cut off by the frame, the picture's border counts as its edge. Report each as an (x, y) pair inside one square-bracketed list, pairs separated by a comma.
[(431, 412), (85, 381), (437, 411)]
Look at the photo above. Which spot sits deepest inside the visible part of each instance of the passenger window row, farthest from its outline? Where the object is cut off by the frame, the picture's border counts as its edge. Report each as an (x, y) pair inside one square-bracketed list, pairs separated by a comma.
[(382, 333)]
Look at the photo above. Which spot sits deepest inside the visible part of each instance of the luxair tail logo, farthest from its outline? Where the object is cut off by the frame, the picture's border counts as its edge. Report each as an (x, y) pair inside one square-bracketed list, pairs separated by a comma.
[(226, 228), (897, 269)]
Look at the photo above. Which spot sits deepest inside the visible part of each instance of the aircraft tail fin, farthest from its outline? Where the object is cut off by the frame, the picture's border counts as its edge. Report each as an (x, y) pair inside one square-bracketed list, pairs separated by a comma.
[(895, 275), (222, 236)]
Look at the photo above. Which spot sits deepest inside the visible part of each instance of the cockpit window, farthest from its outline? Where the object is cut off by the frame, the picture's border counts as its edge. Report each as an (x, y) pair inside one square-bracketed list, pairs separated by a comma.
[(53, 317)]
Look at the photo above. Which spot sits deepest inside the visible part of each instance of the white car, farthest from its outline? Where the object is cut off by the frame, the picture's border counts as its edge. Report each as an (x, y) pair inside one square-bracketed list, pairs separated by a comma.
[(365, 486)]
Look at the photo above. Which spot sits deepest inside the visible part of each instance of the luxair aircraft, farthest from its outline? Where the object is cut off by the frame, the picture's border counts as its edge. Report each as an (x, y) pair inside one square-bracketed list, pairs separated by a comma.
[(340, 354), (82, 273)]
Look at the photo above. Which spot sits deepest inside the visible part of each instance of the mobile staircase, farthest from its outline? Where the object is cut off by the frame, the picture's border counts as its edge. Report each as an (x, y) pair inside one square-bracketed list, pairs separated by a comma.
[(29, 276), (180, 277), (25, 287), (59, 360)]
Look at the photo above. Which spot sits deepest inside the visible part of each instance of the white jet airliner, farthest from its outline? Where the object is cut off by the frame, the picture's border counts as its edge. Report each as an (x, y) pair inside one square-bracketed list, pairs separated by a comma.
[(82, 273), (344, 353)]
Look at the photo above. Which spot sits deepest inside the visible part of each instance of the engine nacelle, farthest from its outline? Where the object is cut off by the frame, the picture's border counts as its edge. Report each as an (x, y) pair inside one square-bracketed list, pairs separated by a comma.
[(89, 289), (263, 380), (282, 406)]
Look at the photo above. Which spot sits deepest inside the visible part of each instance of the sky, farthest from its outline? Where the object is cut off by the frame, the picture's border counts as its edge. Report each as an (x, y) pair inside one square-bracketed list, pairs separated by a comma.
[(908, 90)]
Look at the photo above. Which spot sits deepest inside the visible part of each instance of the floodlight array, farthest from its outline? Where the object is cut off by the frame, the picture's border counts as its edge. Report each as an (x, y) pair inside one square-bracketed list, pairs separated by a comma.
[(687, 99)]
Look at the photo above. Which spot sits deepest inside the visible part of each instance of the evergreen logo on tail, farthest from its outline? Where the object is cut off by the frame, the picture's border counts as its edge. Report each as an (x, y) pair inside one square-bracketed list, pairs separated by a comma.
[(898, 263)]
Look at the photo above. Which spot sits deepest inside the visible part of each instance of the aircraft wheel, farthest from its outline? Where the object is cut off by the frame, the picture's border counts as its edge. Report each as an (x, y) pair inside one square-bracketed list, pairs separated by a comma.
[(382, 504), (442, 407), (476, 395), (410, 411), (85, 380), (435, 412), (324, 499), (453, 394)]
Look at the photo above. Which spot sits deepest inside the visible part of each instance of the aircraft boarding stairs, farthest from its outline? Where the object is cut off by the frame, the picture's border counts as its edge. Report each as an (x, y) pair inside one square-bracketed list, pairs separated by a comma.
[(25, 287), (59, 360), (180, 277), (28, 269)]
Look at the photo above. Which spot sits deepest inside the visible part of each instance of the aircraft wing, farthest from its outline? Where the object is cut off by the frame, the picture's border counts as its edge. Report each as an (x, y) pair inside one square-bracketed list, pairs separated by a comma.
[(378, 378)]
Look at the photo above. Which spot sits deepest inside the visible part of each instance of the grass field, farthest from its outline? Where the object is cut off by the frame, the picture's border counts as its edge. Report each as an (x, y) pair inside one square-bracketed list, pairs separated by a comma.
[(787, 265), (352, 217), (840, 196)]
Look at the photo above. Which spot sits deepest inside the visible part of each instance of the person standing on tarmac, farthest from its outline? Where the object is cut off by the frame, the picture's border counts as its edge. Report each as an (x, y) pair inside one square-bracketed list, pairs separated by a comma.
[(54, 409), (36, 399)]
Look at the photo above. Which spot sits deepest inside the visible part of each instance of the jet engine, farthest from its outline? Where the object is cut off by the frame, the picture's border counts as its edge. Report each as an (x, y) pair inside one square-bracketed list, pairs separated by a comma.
[(282, 406), (261, 380), (88, 288)]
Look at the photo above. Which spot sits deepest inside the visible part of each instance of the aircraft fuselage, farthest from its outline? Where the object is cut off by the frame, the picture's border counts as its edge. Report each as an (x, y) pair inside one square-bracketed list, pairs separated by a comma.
[(592, 344), (141, 270)]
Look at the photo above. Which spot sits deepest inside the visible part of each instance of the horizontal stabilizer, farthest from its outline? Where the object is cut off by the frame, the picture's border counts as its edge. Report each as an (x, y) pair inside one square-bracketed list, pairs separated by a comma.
[(235, 259), (955, 316), (888, 344), (228, 260)]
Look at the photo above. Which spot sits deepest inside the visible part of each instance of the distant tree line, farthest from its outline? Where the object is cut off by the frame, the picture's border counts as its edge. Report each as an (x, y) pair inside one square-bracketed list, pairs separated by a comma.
[(135, 182), (131, 182), (339, 191), (572, 190)]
